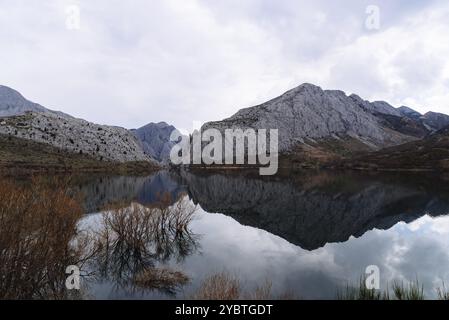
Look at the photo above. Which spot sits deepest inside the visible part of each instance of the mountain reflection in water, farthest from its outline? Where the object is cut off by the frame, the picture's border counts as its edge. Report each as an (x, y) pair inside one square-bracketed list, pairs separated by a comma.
[(312, 210), (307, 233), (306, 210)]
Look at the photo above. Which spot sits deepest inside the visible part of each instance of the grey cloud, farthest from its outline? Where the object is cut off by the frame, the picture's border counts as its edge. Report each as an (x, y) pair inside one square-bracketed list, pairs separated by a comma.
[(178, 61)]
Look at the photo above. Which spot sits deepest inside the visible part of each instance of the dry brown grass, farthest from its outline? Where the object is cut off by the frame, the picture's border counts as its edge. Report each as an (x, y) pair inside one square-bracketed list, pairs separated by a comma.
[(262, 292), (220, 286), (37, 224), (226, 286), (164, 279)]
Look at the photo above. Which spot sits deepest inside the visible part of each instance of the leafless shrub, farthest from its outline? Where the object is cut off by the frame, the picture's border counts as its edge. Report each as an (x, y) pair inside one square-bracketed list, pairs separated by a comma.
[(133, 238), (37, 224)]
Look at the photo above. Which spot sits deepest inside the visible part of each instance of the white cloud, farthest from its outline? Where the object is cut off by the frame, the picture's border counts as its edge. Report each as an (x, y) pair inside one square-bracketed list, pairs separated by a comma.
[(179, 61), (403, 64)]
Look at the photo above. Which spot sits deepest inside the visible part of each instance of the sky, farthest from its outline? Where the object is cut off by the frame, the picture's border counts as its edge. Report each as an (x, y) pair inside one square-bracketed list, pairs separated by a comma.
[(128, 63)]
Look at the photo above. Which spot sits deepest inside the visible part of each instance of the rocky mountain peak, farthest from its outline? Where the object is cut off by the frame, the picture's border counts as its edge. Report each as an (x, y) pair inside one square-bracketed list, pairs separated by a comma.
[(308, 89), (9, 94), (436, 120), (154, 139), (160, 125), (305, 87), (409, 112), (308, 113), (384, 108), (13, 103), (27, 120)]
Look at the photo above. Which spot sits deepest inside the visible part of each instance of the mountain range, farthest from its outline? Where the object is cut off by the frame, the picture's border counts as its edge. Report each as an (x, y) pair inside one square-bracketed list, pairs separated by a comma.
[(321, 126), (315, 126), (27, 124)]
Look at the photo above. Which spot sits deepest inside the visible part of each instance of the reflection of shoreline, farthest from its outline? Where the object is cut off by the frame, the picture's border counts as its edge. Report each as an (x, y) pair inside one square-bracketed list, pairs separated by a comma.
[(98, 191), (311, 211)]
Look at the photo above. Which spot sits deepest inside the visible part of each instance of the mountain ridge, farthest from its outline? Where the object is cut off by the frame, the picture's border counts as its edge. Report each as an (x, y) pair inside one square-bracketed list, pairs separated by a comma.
[(428, 154), (312, 121), (315, 126), (13, 103), (309, 112), (21, 118)]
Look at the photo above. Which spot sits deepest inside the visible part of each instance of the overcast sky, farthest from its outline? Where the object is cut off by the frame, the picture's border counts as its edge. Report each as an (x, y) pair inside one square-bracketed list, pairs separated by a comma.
[(139, 61)]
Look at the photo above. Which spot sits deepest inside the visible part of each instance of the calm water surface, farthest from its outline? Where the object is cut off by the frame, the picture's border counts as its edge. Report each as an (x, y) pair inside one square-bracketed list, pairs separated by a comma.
[(308, 234)]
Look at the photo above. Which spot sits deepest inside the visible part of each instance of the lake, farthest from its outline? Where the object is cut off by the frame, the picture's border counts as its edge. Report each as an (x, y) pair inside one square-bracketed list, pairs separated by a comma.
[(307, 234)]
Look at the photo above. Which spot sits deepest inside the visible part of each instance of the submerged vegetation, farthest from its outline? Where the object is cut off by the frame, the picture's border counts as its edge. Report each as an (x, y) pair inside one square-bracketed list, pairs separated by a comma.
[(133, 240)]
